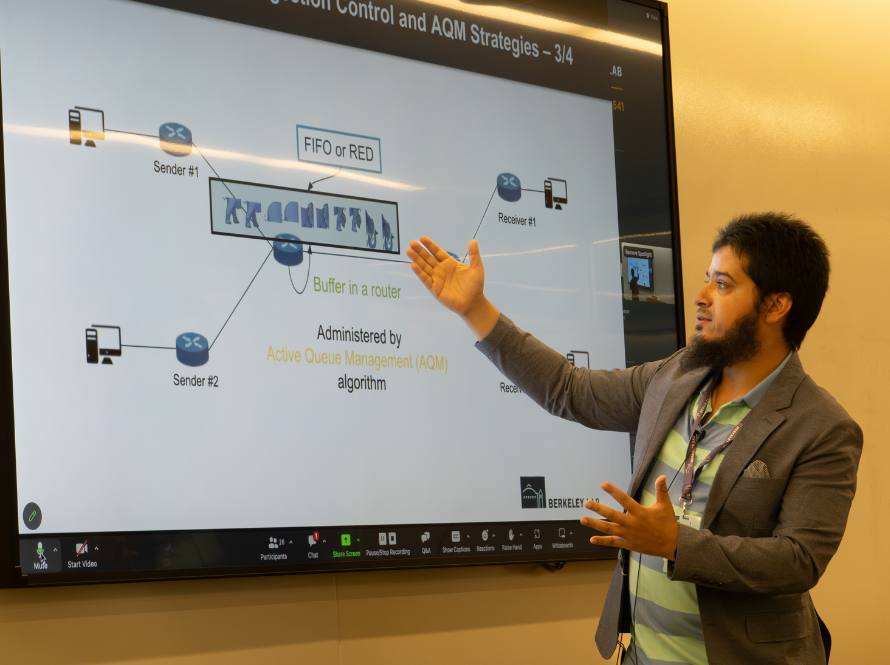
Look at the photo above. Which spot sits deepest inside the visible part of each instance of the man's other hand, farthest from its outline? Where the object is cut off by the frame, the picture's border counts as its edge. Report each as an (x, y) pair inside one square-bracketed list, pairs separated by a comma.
[(646, 529)]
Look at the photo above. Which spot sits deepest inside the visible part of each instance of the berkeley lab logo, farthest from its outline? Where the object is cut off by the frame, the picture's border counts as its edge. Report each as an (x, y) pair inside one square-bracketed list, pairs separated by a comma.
[(533, 494)]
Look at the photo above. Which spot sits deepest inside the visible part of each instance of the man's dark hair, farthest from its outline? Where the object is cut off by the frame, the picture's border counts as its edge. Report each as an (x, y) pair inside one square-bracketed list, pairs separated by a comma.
[(782, 254)]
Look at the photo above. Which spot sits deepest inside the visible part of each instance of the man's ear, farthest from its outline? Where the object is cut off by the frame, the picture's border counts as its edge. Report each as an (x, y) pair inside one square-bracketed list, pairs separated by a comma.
[(776, 307)]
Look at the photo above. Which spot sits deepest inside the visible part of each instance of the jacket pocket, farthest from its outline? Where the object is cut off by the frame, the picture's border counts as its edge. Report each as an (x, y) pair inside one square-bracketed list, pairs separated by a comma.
[(777, 626), (752, 506)]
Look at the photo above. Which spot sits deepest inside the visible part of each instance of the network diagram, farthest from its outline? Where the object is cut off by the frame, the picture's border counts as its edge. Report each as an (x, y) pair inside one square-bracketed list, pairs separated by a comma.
[(291, 221)]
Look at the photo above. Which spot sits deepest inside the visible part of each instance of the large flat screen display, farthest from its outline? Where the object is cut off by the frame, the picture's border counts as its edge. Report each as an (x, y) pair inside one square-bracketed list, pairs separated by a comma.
[(216, 358)]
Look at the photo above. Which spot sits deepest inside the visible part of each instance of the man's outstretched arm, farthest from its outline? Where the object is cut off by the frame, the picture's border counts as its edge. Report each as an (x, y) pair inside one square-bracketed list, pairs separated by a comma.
[(608, 400)]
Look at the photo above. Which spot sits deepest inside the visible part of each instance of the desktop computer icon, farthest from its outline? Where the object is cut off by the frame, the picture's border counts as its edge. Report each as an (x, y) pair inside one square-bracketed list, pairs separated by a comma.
[(556, 193), (92, 339), (86, 126), (104, 341)]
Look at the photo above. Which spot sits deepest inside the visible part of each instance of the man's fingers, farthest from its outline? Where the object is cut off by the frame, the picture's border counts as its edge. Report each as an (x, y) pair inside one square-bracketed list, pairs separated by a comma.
[(421, 256), (473, 253), (423, 267), (661, 490), (426, 279), (610, 541), (438, 253), (616, 493), (605, 511), (603, 526)]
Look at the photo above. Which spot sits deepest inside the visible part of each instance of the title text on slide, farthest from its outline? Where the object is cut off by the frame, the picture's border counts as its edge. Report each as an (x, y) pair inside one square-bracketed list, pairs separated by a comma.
[(444, 26)]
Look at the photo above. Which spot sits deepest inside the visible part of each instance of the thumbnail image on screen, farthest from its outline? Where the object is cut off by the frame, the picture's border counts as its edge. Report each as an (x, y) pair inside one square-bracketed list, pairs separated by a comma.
[(639, 272)]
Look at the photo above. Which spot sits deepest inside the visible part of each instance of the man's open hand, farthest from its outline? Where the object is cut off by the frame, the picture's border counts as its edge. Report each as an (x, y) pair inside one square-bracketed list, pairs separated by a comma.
[(646, 529), (455, 285)]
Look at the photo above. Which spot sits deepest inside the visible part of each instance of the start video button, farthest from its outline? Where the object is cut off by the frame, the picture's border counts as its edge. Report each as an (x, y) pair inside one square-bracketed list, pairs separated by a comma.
[(335, 148)]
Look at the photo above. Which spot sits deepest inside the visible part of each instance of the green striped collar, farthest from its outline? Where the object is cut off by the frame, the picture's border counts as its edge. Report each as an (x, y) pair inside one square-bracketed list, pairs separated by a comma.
[(753, 396), (750, 399)]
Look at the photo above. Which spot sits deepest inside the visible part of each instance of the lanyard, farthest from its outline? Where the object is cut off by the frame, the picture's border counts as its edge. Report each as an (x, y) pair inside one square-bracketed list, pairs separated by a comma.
[(690, 471)]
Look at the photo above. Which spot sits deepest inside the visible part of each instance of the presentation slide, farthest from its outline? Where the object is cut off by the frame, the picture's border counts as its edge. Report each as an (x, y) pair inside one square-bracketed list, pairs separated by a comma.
[(213, 320)]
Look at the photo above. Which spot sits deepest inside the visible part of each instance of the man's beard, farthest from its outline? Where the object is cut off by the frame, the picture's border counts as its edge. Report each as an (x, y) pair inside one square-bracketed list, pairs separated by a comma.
[(739, 343)]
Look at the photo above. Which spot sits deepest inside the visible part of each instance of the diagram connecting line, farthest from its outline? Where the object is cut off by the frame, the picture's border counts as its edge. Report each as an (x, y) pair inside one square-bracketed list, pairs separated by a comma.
[(252, 280), (121, 131), (209, 165), (315, 182), (268, 241), (308, 272), (226, 185), (366, 258), (206, 161), (539, 191), (146, 346), (485, 212)]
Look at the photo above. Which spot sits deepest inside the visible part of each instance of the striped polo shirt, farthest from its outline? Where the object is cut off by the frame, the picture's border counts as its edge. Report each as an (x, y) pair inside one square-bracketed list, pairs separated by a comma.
[(666, 621)]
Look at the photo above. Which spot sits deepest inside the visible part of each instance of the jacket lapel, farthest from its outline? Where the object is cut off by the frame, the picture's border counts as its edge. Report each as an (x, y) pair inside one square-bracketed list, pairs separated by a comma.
[(679, 392), (757, 426)]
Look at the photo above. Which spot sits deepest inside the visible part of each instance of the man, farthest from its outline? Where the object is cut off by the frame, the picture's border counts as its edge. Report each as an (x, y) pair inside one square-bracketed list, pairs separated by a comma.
[(744, 468)]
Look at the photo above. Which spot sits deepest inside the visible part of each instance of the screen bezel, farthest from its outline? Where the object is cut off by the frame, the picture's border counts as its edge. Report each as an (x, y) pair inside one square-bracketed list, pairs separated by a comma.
[(10, 571)]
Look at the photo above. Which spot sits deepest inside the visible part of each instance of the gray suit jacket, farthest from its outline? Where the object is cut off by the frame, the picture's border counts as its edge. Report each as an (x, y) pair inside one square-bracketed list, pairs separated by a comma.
[(764, 542)]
